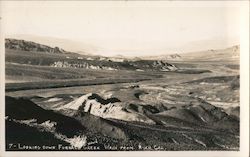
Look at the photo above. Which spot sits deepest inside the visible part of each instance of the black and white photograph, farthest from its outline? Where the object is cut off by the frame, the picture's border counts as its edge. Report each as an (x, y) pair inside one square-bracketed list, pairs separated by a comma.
[(125, 76)]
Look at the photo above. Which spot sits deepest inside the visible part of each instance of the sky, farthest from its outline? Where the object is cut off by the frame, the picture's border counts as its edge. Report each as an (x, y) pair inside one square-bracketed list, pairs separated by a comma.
[(125, 27)]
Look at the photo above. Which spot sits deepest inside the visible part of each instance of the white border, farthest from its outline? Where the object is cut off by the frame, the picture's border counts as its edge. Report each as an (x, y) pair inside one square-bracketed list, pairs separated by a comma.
[(244, 103)]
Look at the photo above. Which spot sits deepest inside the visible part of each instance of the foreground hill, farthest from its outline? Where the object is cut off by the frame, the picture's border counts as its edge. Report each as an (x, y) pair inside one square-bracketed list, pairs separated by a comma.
[(78, 130)]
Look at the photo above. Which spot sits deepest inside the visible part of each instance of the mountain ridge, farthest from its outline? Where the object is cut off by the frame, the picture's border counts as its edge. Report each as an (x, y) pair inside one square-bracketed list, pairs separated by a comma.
[(31, 46), (24, 52)]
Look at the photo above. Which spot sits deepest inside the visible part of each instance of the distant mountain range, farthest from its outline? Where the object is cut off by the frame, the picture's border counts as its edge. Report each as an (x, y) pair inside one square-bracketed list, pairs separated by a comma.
[(231, 53), (90, 50), (25, 52), (164, 57), (31, 53)]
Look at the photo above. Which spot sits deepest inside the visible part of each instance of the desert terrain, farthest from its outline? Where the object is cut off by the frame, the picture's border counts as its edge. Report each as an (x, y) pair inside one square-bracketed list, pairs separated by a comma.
[(59, 100)]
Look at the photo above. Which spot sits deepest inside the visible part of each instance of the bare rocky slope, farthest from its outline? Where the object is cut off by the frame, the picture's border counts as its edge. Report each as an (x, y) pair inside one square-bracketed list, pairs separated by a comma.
[(30, 46), (80, 130)]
